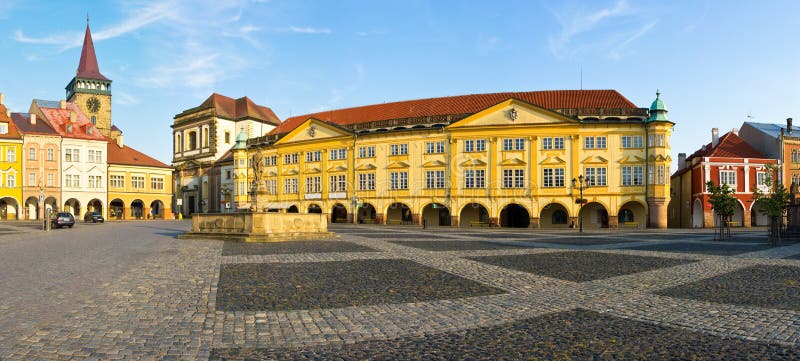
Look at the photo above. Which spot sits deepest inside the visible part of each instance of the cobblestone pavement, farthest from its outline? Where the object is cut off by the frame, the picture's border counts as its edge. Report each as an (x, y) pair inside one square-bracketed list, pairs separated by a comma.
[(131, 290)]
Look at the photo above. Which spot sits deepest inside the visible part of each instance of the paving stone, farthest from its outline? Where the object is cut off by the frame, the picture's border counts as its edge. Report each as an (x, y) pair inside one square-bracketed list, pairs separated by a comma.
[(581, 241), (577, 334), (257, 248), (398, 235), (257, 287), (459, 245), (762, 286), (715, 248), (580, 266)]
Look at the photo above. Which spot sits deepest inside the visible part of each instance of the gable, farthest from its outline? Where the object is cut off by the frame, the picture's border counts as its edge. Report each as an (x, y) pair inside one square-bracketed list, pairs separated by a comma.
[(367, 166), (552, 160), (513, 161), (337, 168), (512, 112), (596, 159), (312, 129), (434, 164), (473, 163), (631, 160), (397, 165)]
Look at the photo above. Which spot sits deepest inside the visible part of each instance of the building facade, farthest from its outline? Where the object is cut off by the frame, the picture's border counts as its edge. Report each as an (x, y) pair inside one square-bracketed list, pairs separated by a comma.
[(726, 160), (781, 142), (505, 159), (201, 138), (10, 165), (41, 164), (139, 186)]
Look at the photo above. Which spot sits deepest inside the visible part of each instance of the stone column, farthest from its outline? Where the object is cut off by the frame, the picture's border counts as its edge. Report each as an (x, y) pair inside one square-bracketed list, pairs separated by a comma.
[(658, 212), (534, 223), (454, 221), (613, 221), (573, 221), (708, 218), (416, 219), (379, 218), (494, 221), (747, 221)]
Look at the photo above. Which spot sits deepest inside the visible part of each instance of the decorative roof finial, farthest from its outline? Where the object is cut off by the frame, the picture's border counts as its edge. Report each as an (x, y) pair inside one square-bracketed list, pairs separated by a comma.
[(87, 19), (658, 93)]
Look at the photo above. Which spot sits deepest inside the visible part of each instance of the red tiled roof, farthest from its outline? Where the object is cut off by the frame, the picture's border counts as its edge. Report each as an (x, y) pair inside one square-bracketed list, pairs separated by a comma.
[(730, 146), (240, 108), (23, 123), (59, 119), (88, 68), (463, 104), (129, 156), (13, 133)]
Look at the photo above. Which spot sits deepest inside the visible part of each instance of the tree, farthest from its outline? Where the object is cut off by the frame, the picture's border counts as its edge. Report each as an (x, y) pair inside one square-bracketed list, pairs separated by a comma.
[(724, 205), (773, 200)]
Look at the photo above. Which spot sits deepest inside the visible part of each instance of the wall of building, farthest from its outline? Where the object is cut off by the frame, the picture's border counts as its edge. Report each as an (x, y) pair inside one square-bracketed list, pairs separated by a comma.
[(43, 169)]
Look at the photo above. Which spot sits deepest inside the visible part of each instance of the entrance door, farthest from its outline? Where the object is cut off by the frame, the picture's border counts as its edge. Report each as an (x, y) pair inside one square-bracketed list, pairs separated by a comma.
[(191, 204)]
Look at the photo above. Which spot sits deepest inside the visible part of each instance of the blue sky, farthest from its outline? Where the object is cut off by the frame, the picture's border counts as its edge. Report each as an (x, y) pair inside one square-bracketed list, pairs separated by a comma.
[(715, 62)]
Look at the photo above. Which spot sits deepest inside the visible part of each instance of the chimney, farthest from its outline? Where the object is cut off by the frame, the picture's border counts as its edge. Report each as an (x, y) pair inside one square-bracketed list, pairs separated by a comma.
[(62, 104), (33, 118), (735, 131), (681, 161), (72, 117), (714, 137), (119, 141), (789, 125), (2, 99)]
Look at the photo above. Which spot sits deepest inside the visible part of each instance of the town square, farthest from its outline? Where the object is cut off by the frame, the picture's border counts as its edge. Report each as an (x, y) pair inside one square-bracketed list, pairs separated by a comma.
[(272, 180)]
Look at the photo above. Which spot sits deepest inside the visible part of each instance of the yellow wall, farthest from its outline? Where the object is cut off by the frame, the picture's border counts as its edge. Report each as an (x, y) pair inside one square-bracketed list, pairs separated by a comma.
[(11, 168), (533, 124), (127, 194)]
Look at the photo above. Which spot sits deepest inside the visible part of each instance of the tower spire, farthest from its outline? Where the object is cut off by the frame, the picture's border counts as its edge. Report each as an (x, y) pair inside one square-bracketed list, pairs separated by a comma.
[(88, 68)]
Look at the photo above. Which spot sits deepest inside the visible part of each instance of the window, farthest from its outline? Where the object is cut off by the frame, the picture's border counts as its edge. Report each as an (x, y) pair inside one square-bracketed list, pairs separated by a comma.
[(51, 180), (398, 180), (553, 143), (242, 188), (631, 141), (399, 149), (337, 154), (313, 185), (91, 156), (205, 139), (192, 140), (3, 128), (98, 156), (474, 178), (227, 137), (632, 175), (660, 140), (513, 178), (514, 144), (651, 173), (69, 128), (594, 142), (600, 142), (314, 156), (11, 155), (73, 180), (117, 181), (31, 179), (588, 143), (434, 179), (50, 154), (338, 183), (728, 177), (366, 152), (660, 175), (31, 153), (553, 177), (434, 147), (89, 130), (795, 156), (95, 181), (366, 181), (11, 180), (72, 155), (272, 186), (290, 185), (477, 145), (595, 176), (271, 160), (137, 182), (156, 183), (291, 158), (94, 119), (795, 179)]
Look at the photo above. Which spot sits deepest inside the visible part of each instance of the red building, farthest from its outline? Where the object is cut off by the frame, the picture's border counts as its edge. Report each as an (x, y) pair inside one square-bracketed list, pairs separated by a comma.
[(727, 159)]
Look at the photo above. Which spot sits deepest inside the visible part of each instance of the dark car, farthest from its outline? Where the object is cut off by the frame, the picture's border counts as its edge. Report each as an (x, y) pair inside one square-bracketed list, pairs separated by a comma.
[(93, 217), (62, 219)]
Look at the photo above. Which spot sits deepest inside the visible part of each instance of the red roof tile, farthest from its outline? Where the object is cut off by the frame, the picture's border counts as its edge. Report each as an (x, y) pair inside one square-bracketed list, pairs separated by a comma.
[(13, 132), (463, 104), (59, 119), (129, 156), (23, 123), (88, 68), (240, 108), (730, 146)]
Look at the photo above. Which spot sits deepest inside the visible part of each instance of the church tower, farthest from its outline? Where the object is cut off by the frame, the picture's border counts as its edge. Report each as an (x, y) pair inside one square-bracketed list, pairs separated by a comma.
[(89, 89)]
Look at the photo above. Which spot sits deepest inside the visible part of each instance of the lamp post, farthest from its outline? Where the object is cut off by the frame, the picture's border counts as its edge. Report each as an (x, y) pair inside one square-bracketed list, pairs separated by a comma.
[(581, 185)]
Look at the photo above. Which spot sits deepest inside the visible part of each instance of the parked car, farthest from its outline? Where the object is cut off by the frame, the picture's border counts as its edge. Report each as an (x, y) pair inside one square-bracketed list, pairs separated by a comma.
[(62, 219), (93, 217)]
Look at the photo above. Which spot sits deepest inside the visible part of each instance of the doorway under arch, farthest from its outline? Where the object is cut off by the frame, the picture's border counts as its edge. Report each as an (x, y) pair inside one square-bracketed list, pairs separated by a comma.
[(515, 216), (398, 213), (594, 215), (366, 213), (338, 213), (8, 208), (157, 209), (314, 208), (116, 209), (137, 209), (632, 213), (73, 206), (32, 208), (436, 214), (292, 209), (50, 205), (554, 215), (697, 214), (757, 215), (95, 206), (473, 212)]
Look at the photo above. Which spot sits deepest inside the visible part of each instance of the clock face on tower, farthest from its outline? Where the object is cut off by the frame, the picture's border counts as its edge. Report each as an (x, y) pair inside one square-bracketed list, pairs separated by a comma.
[(93, 104)]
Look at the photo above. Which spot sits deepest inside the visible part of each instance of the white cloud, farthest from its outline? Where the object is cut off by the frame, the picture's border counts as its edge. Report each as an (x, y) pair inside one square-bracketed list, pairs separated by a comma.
[(306, 30), (123, 98), (577, 25)]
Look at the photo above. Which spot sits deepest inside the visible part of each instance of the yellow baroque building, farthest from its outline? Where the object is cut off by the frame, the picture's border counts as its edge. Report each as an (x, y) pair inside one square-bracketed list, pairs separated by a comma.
[(139, 186), (10, 165), (504, 159)]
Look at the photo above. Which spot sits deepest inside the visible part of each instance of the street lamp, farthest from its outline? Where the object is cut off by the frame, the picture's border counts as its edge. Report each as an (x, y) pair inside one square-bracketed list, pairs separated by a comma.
[(581, 185)]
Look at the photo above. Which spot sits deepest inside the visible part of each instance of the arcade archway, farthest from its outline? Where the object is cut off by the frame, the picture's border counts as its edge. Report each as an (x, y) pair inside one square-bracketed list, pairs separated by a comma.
[(398, 213), (366, 213), (554, 215), (473, 213), (436, 214), (338, 213)]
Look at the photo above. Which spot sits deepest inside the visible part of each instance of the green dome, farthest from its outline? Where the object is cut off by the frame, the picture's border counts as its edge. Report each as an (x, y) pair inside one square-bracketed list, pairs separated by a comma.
[(241, 140), (658, 111)]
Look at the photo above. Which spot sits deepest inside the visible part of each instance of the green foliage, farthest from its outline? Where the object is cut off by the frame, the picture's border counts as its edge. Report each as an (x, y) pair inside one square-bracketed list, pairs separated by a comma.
[(774, 198), (722, 200)]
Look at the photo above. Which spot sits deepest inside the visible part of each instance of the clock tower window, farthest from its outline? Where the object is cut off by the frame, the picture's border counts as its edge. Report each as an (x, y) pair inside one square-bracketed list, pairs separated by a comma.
[(94, 119)]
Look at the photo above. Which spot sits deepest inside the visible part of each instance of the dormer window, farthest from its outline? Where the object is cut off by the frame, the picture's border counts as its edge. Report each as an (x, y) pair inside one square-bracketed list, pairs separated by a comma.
[(3, 128), (69, 128), (89, 130)]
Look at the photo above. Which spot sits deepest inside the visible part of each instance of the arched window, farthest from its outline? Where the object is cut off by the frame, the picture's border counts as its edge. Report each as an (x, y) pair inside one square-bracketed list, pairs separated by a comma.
[(559, 217), (205, 139), (178, 143), (192, 140), (94, 120)]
